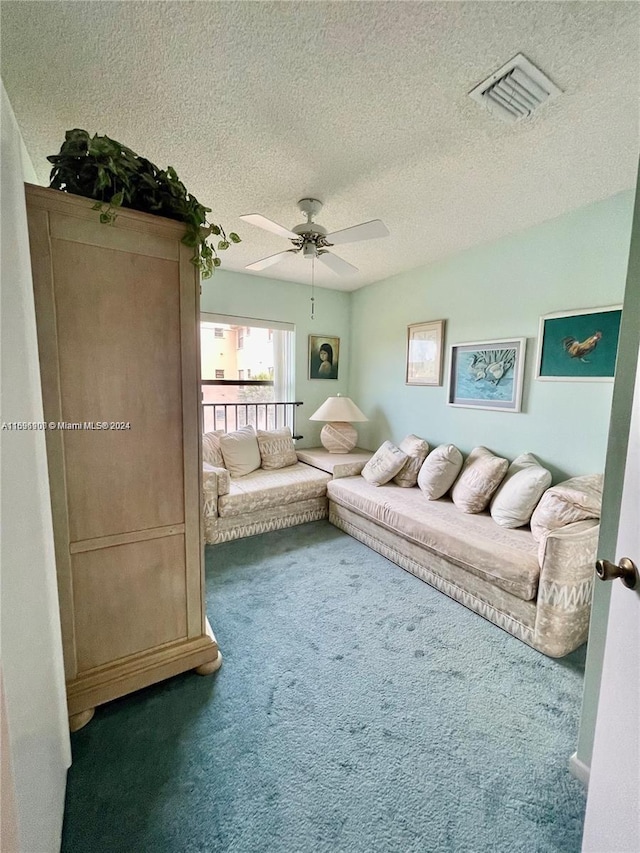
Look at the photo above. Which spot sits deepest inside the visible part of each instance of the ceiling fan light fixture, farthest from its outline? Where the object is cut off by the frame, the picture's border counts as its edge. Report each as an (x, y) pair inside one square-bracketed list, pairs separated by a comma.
[(313, 240)]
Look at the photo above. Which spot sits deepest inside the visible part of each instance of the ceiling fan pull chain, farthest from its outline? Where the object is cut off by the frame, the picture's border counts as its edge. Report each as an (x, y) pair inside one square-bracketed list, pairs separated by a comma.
[(313, 299)]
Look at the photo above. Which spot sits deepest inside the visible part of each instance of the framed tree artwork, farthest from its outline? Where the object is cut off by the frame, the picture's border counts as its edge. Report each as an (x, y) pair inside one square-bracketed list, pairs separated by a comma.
[(425, 343)]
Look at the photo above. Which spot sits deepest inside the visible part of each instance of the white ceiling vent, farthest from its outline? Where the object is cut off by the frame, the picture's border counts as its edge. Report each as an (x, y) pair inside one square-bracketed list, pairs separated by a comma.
[(514, 91)]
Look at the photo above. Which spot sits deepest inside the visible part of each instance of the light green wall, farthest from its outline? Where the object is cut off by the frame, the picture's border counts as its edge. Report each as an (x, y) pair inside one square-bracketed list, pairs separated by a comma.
[(489, 292), (244, 295)]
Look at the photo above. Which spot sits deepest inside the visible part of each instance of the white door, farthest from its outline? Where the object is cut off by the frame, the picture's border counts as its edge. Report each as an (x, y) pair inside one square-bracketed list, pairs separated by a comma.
[(612, 823)]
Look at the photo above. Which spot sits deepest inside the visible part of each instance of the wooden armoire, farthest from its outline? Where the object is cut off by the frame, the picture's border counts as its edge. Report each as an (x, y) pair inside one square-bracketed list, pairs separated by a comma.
[(117, 311)]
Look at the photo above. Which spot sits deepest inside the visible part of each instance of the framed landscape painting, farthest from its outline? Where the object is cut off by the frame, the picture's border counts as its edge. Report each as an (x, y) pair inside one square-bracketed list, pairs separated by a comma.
[(424, 353), (580, 346), (324, 353), (487, 375)]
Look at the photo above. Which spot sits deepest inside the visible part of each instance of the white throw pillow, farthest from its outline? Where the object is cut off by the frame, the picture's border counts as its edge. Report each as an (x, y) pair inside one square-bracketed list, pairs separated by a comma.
[(439, 471), (240, 451), (576, 499), (416, 448), (384, 464), (481, 475), (520, 491), (277, 449), (211, 452)]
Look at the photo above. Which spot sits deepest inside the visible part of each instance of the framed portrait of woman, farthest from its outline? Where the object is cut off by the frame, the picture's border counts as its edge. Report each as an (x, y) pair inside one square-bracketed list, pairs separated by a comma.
[(324, 353)]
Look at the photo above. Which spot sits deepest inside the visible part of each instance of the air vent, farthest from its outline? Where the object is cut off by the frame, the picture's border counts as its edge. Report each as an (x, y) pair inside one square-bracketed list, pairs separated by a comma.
[(514, 91)]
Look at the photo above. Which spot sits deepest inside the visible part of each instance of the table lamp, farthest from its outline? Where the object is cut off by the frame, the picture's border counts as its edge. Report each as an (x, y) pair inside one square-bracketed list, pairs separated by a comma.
[(338, 436)]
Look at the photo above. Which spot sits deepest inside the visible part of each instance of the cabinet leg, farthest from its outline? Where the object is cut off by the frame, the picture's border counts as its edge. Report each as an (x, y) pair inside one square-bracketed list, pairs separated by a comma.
[(77, 721), (211, 666)]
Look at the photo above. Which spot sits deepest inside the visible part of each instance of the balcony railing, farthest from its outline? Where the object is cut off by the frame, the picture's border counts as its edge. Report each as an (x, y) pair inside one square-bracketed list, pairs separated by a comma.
[(262, 414)]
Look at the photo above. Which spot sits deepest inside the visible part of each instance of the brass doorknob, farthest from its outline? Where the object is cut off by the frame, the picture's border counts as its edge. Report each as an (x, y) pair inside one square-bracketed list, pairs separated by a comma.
[(625, 570)]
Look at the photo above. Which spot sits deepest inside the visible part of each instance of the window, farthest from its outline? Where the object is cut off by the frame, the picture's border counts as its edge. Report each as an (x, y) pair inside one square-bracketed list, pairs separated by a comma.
[(262, 351)]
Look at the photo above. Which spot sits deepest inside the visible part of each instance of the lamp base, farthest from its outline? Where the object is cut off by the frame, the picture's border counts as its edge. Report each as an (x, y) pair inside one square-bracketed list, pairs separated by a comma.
[(338, 437)]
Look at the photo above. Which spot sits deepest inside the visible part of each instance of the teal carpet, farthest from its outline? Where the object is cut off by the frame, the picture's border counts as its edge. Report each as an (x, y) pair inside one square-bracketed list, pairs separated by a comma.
[(357, 710)]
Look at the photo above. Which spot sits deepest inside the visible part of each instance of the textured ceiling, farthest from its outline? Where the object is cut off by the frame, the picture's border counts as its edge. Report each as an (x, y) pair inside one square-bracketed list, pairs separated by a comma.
[(363, 105)]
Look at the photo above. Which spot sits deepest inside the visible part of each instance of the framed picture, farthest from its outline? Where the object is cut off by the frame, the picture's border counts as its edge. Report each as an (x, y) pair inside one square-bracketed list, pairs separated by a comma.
[(324, 354), (580, 346), (425, 342), (487, 375)]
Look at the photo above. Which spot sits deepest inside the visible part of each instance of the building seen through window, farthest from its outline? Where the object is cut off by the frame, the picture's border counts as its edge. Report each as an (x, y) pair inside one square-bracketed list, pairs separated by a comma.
[(233, 354)]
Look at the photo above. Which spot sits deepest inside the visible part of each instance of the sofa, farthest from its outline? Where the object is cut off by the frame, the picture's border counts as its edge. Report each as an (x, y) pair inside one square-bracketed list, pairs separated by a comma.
[(527, 567), (239, 502), (537, 588)]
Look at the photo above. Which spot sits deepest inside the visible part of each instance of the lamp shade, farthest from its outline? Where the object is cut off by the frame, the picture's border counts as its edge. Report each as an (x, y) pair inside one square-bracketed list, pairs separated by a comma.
[(338, 409)]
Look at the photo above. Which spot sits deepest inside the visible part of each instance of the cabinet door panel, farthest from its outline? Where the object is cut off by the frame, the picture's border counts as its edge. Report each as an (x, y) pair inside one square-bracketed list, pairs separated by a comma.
[(128, 598), (118, 325)]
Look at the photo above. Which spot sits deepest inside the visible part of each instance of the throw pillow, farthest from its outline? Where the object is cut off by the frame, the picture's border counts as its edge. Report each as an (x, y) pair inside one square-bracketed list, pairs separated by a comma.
[(481, 475), (211, 452), (439, 471), (240, 451), (576, 499), (277, 449), (416, 448), (520, 491), (384, 464)]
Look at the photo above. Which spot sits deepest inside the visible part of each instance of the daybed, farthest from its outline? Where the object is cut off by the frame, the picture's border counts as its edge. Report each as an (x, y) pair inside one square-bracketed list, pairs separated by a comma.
[(265, 498), (539, 591)]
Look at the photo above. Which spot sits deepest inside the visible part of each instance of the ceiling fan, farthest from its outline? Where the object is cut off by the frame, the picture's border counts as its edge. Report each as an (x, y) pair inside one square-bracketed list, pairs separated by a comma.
[(313, 240)]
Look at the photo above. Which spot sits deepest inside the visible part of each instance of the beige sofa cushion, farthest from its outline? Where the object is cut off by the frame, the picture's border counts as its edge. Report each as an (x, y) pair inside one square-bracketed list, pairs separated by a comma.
[(416, 449), (240, 451), (439, 471), (518, 494), (384, 464), (480, 477), (277, 449), (211, 452), (262, 489), (576, 499), (505, 558), (223, 481)]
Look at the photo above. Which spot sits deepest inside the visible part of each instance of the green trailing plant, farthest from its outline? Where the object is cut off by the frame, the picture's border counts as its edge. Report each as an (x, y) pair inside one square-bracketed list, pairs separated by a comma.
[(114, 176)]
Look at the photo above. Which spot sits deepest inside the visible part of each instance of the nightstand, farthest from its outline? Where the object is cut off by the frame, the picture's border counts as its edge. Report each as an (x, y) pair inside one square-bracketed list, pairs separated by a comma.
[(337, 464)]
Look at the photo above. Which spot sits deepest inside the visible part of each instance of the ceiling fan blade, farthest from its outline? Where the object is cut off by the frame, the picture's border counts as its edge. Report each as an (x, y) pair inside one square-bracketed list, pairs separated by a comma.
[(364, 231), (269, 225), (267, 262), (337, 264)]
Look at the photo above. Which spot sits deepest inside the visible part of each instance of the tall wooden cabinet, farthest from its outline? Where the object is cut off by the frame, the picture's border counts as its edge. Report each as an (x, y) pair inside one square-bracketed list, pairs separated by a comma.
[(117, 309)]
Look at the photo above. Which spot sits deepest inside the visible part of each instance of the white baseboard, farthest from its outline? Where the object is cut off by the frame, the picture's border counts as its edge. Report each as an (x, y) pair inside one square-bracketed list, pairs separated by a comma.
[(579, 769)]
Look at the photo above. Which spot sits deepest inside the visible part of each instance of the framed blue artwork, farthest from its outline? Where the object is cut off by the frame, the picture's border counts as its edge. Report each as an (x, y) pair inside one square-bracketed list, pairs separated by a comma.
[(487, 375)]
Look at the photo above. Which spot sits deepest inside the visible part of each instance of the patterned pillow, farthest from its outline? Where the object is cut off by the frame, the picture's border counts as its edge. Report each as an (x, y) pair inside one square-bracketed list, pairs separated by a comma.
[(416, 448), (211, 452), (481, 475), (439, 471), (576, 499), (240, 451), (277, 449), (520, 491), (384, 464)]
